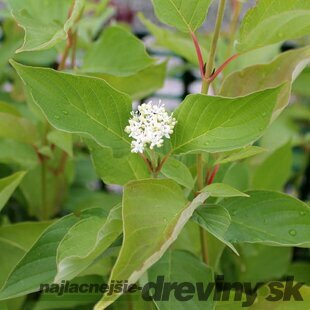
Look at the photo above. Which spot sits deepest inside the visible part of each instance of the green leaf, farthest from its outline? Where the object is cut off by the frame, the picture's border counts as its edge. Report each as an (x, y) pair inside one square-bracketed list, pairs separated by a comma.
[(222, 190), (291, 304), (300, 85), (215, 124), (96, 15), (273, 21), (23, 235), (43, 203), (117, 170), (280, 161), (94, 109), (8, 186), (46, 23), (35, 268), (11, 40), (8, 108), (82, 198), (231, 303), (216, 220), (256, 263), (85, 242), (215, 250), (117, 52), (301, 271), (72, 299), (243, 153), (39, 263), (177, 171), (237, 175), (188, 239), (136, 300), (61, 139), (12, 255), (177, 42), (17, 128), (154, 213), (141, 84), (18, 153), (269, 218), (182, 267), (42, 58), (286, 128), (15, 240), (186, 16), (261, 55), (284, 68)]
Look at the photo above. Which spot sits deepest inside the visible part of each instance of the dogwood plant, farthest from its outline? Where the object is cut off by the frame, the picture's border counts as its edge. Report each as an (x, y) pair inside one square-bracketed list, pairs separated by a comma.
[(212, 193)]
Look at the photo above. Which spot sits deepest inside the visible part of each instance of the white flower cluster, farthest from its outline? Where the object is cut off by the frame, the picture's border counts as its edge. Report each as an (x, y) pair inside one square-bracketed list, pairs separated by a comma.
[(149, 126)]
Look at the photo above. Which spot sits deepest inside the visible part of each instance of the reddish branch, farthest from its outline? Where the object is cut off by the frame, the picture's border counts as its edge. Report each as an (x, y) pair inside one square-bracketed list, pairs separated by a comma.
[(71, 43), (163, 161), (222, 67), (213, 174), (147, 162), (199, 55), (62, 164)]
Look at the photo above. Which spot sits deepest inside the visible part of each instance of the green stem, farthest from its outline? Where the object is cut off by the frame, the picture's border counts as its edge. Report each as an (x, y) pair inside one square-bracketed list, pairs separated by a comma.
[(62, 64), (200, 181), (237, 7), (210, 63), (203, 233), (154, 163), (73, 52), (204, 245), (44, 215), (204, 89)]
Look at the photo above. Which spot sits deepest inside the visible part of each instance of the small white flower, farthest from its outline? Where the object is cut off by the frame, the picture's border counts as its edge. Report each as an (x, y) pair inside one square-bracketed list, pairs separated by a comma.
[(149, 126)]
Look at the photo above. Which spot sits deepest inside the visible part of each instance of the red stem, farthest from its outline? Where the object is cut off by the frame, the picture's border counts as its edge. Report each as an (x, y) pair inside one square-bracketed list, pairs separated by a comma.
[(199, 54), (161, 164), (147, 162), (234, 4), (222, 67), (62, 164), (214, 172)]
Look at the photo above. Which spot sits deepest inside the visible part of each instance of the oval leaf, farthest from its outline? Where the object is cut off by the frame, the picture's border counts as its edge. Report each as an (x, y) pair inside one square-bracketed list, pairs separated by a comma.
[(222, 190), (17, 128), (177, 171), (285, 68), (141, 84), (243, 153), (46, 23), (215, 124), (216, 220), (8, 186), (182, 267), (93, 236), (117, 170), (117, 52), (274, 21), (94, 109), (154, 213), (268, 217), (280, 161), (38, 266), (179, 43), (186, 16)]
